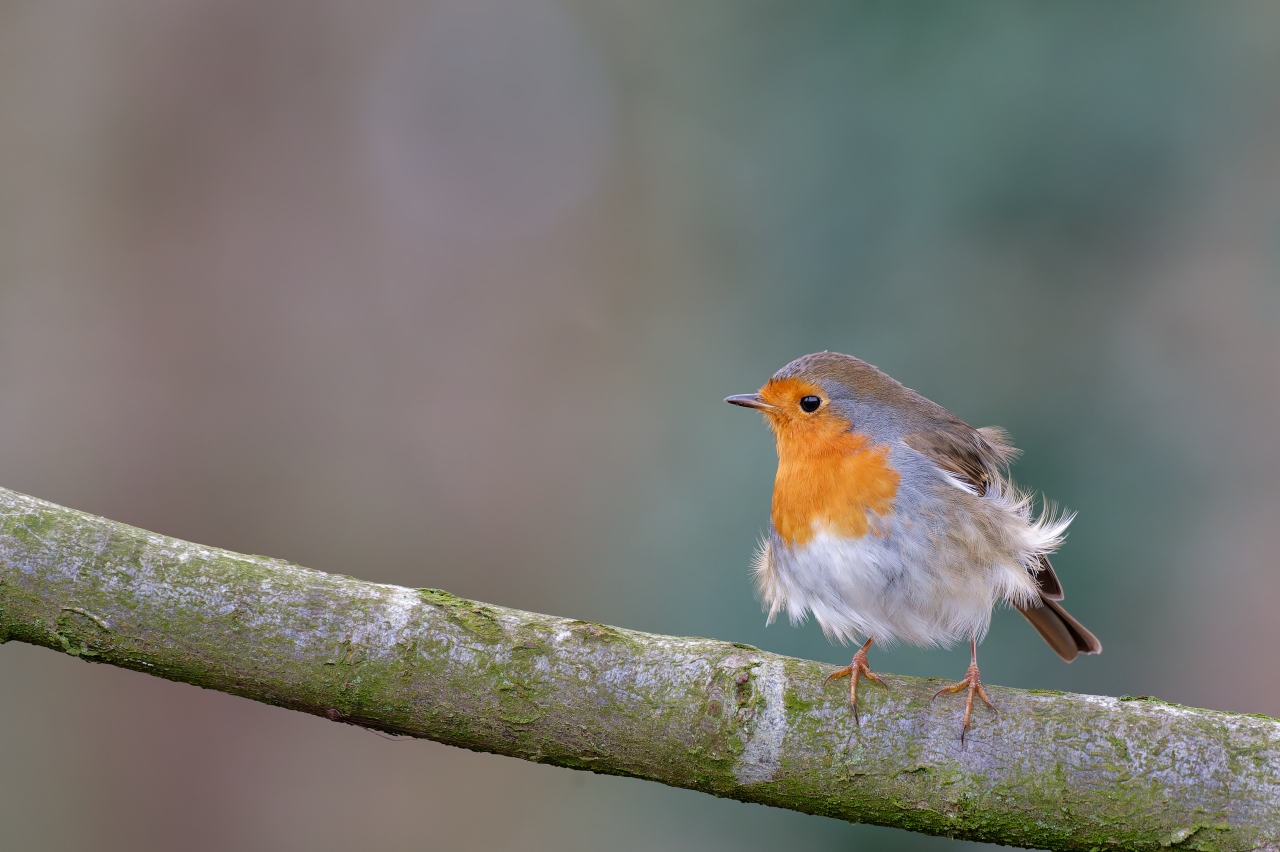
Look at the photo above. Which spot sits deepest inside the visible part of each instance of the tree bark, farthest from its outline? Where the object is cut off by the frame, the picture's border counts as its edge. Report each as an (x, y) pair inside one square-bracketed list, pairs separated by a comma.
[(1052, 770)]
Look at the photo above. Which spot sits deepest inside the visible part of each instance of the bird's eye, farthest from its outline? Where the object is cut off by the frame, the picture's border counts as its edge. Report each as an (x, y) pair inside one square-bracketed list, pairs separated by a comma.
[(810, 403)]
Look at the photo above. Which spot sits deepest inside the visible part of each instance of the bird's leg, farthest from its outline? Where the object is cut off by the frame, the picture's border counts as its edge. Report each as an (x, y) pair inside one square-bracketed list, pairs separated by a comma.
[(973, 683), (852, 671)]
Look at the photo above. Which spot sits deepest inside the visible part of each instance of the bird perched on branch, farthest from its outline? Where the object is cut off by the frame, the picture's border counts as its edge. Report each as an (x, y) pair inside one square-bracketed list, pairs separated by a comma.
[(893, 519)]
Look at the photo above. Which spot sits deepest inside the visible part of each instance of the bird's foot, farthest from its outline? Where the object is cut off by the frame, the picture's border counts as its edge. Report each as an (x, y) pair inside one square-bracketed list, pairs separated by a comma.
[(973, 683), (853, 671)]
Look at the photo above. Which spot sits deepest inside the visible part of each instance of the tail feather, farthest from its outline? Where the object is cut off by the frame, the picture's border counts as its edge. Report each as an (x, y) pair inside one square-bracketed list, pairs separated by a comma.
[(1066, 636)]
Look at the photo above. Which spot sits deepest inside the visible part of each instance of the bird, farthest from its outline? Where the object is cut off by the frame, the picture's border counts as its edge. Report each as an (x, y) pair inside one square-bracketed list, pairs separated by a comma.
[(894, 520)]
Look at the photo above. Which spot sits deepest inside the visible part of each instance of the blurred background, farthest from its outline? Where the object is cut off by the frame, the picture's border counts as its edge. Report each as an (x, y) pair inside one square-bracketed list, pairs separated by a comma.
[(448, 294)]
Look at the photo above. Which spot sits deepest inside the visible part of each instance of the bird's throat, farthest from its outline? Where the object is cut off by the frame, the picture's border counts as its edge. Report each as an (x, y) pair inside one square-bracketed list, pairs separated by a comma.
[(830, 482)]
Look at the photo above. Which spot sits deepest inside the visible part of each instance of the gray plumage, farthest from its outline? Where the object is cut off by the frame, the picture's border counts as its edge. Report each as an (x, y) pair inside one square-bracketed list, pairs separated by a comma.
[(960, 538)]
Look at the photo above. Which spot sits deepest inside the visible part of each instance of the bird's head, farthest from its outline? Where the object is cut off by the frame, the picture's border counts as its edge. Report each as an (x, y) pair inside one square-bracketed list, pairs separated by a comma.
[(826, 394)]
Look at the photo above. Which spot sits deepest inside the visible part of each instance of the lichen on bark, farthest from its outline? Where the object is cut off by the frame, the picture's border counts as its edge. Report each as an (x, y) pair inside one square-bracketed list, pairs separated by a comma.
[(1054, 771)]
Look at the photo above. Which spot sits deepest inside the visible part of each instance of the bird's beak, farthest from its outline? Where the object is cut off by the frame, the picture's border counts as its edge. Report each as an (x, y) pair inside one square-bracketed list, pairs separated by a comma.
[(749, 400)]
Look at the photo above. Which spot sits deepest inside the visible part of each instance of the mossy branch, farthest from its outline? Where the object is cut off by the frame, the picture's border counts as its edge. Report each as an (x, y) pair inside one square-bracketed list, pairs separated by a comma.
[(1054, 771)]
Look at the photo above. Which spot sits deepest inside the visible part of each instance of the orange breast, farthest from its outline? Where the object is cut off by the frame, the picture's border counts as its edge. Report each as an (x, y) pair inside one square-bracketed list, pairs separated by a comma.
[(828, 476)]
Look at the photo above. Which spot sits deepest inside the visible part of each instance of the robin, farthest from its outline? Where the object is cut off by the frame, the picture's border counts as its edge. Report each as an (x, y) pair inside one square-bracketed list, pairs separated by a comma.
[(893, 519)]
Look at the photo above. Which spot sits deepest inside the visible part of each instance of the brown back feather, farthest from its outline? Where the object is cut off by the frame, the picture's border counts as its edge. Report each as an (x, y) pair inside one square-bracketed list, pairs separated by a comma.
[(974, 456)]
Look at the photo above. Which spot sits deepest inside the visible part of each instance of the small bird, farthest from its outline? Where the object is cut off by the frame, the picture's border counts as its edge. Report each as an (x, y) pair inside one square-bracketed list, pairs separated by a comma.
[(893, 519)]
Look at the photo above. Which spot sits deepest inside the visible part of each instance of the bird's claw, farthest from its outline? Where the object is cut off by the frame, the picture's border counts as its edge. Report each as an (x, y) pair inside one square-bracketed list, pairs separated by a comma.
[(973, 683), (857, 668)]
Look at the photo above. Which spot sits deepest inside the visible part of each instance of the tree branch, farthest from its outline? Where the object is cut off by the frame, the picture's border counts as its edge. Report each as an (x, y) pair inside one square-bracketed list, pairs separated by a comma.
[(1053, 770)]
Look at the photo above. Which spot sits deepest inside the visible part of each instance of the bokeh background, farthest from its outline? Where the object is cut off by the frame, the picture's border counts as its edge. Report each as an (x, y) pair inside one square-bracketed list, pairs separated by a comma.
[(448, 294)]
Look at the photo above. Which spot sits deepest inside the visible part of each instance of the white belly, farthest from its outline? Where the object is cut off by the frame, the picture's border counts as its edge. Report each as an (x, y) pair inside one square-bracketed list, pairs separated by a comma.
[(924, 586)]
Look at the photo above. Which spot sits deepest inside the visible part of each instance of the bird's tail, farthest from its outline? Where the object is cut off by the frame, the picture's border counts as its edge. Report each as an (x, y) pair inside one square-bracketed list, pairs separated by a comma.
[(1066, 636)]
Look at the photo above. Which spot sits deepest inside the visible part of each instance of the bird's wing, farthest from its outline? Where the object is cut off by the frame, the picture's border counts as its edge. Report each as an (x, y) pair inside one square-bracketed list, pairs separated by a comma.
[(976, 457)]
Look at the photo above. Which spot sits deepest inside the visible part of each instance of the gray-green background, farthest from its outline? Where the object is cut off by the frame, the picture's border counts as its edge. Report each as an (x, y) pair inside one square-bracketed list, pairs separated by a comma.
[(449, 294)]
